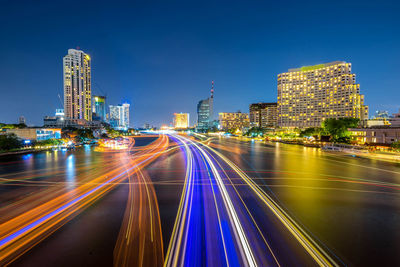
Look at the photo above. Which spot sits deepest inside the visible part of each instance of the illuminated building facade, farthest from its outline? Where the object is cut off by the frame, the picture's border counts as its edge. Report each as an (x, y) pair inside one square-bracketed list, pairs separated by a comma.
[(77, 85), (205, 112), (37, 134), (376, 135), (119, 116), (181, 120), (263, 115), (309, 95), (234, 120), (395, 120), (99, 107)]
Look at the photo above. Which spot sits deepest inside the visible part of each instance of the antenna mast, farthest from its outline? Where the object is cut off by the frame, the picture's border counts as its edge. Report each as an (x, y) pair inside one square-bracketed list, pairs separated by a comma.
[(212, 89)]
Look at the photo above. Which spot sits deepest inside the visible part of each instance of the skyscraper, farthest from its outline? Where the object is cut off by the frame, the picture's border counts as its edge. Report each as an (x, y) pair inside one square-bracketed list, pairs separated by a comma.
[(119, 116), (309, 95), (77, 85), (99, 107), (181, 120), (263, 115), (205, 111)]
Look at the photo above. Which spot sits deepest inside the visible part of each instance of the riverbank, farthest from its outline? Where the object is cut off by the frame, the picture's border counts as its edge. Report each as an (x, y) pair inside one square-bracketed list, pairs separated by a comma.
[(393, 157), (24, 151)]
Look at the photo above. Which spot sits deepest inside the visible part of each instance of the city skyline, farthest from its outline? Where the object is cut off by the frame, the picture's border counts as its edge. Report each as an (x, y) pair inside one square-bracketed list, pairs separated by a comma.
[(199, 133), (158, 69)]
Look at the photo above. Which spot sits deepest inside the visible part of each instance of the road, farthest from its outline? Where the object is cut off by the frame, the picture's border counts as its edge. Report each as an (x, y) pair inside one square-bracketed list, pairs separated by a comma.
[(217, 202)]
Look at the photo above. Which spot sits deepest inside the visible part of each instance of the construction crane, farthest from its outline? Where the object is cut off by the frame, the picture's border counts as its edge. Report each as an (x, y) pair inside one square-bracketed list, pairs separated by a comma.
[(62, 103)]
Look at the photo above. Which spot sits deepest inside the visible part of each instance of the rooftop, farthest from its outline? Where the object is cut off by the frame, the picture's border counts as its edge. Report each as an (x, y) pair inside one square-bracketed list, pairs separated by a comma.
[(315, 67)]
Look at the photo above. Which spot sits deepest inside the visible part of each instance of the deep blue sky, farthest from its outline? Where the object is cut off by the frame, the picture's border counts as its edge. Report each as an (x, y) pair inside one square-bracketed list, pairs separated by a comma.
[(162, 56)]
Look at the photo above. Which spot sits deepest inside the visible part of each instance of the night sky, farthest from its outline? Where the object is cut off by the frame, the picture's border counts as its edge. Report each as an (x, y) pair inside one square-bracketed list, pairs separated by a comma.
[(161, 56)]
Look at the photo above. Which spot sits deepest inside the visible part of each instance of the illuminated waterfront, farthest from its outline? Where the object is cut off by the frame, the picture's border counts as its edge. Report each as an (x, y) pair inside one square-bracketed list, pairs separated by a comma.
[(337, 202)]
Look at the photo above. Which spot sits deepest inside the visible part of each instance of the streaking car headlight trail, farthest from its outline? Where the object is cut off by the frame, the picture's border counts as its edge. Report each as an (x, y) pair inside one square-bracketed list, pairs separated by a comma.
[(221, 222), (22, 232)]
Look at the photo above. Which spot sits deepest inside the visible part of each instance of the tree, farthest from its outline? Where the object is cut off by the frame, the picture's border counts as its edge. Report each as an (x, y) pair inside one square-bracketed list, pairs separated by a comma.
[(255, 131), (233, 130), (104, 136), (13, 126), (84, 135), (49, 142), (9, 141), (337, 128), (395, 145), (312, 131), (213, 129)]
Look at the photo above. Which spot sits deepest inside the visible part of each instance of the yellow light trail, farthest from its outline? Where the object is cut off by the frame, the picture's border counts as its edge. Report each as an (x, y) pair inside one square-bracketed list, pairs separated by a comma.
[(19, 234), (318, 254)]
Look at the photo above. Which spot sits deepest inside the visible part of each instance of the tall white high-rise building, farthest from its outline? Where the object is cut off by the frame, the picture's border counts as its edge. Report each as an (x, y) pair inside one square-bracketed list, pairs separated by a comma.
[(119, 116), (77, 85)]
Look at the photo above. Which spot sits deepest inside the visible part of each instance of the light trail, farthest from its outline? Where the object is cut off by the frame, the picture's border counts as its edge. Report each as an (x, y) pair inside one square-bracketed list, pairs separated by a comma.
[(318, 254), (228, 208), (232, 239), (245, 248), (140, 239), (19, 234)]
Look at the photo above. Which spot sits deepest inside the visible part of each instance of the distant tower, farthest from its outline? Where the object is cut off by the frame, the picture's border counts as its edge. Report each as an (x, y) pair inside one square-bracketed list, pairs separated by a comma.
[(211, 103), (205, 111), (21, 120), (212, 89)]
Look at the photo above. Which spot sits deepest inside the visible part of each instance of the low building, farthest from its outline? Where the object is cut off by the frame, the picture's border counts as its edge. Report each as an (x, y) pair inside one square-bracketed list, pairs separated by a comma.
[(263, 115), (395, 120), (60, 122), (376, 135), (375, 122), (234, 120), (37, 134), (181, 120)]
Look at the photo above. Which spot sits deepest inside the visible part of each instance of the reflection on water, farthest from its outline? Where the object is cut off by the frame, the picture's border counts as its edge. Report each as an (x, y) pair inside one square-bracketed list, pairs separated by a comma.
[(26, 156), (349, 204), (71, 171)]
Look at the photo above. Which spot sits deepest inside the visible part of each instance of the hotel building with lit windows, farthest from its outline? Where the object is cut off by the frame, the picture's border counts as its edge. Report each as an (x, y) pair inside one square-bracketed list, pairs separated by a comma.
[(263, 115), (309, 95), (77, 85), (181, 120), (234, 120)]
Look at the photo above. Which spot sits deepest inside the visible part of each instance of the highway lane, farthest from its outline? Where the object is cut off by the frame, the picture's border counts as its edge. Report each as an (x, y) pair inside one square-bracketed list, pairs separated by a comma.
[(225, 219)]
